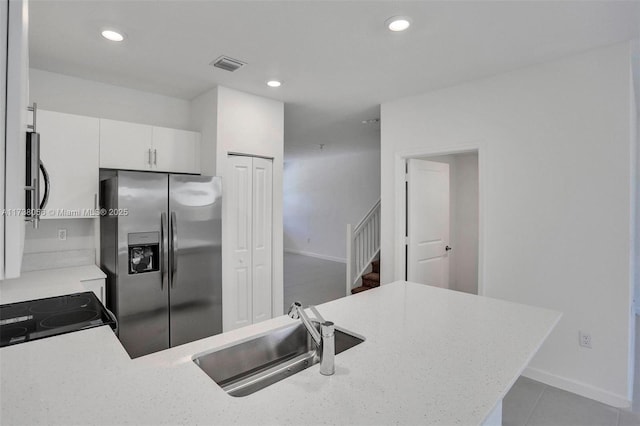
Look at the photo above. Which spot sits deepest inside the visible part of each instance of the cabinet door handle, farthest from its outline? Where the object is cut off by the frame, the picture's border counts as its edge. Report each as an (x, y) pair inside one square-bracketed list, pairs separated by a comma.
[(95, 201), (149, 156), (155, 157)]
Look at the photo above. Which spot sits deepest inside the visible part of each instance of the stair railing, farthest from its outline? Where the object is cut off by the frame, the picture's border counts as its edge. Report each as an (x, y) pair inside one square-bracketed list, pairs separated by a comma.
[(363, 245)]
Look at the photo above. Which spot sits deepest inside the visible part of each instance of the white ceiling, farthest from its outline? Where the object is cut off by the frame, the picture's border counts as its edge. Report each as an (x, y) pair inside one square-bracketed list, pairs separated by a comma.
[(335, 58)]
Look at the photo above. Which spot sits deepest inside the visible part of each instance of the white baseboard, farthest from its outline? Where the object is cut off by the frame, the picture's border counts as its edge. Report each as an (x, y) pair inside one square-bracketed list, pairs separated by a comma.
[(578, 388), (317, 255)]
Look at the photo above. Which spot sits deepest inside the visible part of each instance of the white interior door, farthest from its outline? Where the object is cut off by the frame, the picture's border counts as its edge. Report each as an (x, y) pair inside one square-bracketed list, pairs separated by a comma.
[(238, 195), (428, 222), (261, 238)]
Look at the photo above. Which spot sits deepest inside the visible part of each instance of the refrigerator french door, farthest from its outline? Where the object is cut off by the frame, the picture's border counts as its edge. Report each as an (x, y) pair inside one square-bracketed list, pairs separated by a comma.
[(161, 250)]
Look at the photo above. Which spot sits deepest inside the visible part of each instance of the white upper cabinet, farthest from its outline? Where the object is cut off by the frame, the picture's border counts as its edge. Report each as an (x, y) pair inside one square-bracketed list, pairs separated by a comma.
[(69, 150), (125, 145), (176, 150), (135, 146)]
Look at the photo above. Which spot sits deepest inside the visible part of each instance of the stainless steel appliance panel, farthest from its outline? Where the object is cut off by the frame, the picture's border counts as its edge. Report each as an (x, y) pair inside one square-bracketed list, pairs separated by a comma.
[(141, 297), (195, 269), (109, 239)]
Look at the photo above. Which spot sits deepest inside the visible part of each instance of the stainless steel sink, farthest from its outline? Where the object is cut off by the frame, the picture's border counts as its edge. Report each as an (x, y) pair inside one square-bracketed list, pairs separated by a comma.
[(252, 365)]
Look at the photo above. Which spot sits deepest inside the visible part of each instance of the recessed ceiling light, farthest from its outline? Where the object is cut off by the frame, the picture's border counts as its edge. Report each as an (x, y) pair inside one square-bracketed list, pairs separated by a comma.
[(274, 83), (112, 35), (398, 23)]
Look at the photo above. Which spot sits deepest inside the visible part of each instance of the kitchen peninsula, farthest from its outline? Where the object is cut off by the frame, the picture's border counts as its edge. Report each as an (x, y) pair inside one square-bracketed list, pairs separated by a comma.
[(431, 356)]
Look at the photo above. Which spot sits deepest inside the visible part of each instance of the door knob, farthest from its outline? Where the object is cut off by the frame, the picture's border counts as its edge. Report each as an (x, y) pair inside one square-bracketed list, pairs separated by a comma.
[(447, 248)]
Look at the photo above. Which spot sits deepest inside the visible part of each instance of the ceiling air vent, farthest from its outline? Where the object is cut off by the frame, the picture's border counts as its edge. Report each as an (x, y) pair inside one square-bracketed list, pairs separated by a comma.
[(227, 63)]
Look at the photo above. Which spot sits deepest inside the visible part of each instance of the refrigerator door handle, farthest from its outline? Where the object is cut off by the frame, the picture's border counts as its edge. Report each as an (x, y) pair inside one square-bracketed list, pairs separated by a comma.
[(164, 250), (174, 249)]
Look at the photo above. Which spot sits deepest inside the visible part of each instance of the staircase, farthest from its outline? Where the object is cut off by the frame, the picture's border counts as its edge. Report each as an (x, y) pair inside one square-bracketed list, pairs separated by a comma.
[(370, 280), (363, 247)]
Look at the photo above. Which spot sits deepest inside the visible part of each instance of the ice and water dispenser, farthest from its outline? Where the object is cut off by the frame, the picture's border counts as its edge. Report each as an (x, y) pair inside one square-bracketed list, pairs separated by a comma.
[(144, 252)]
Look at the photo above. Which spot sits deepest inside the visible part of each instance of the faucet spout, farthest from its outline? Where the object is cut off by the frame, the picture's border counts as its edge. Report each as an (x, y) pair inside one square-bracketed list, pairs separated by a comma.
[(325, 339), (297, 312)]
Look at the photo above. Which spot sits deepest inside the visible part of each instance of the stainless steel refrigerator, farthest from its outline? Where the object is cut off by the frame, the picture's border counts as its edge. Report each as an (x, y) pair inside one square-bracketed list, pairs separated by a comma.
[(161, 250)]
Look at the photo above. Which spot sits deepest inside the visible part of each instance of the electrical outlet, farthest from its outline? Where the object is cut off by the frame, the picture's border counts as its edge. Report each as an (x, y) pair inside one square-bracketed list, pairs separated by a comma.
[(62, 234), (584, 339)]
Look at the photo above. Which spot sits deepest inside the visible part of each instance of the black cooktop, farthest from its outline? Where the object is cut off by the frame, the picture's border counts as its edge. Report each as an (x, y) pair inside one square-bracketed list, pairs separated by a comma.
[(35, 319)]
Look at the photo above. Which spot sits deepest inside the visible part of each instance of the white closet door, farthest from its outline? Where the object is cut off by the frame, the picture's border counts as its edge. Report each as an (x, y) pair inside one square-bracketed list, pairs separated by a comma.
[(261, 238), (238, 195)]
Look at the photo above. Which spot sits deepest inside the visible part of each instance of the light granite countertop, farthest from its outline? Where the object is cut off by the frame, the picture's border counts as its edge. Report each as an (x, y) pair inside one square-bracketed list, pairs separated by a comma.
[(431, 356)]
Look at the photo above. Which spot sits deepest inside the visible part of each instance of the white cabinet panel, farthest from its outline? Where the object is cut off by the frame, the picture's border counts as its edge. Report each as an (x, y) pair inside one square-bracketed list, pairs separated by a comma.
[(4, 11), (69, 149), (125, 145), (176, 150), (98, 288), (14, 78)]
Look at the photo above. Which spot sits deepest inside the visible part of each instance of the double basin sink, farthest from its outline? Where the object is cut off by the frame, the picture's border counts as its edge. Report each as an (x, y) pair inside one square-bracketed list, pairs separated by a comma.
[(249, 366)]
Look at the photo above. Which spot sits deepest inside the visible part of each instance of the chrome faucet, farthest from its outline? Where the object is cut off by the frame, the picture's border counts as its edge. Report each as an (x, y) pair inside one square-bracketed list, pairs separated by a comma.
[(325, 339)]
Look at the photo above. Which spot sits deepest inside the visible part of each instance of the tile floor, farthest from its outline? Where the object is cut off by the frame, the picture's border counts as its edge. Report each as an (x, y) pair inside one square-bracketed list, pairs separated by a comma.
[(529, 403), (533, 403), (312, 281)]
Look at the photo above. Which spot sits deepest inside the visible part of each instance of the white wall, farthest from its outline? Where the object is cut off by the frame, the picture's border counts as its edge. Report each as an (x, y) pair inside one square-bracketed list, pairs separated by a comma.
[(250, 124), (64, 93), (45, 238), (465, 234), (43, 249), (556, 201), (204, 118), (464, 211), (322, 194)]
